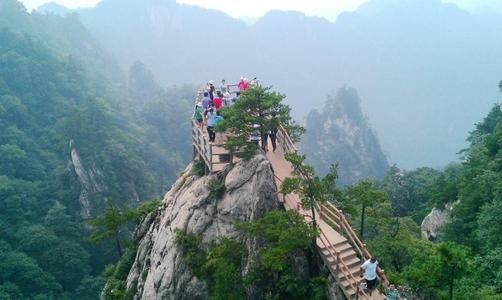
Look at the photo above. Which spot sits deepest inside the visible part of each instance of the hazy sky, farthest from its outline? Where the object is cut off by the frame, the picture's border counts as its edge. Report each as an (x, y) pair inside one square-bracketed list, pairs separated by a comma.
[(329, 9)]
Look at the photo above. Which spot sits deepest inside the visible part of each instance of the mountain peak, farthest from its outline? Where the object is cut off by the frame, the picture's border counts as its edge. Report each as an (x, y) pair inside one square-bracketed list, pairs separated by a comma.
[(54, 8), (374, 7)]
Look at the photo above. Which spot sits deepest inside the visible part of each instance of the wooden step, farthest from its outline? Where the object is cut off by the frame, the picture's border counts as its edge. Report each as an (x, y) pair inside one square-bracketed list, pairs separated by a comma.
[(349, 261), (348, 253)]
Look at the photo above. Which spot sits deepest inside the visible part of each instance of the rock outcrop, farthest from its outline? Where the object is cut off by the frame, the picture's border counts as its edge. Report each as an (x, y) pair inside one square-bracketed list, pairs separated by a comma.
[(158, 271), (434, 221), (88, 181), (341, 134)]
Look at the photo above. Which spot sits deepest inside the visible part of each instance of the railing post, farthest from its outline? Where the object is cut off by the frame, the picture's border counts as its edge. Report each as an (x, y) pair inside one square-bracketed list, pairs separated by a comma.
[(210, 158), (338, 263)]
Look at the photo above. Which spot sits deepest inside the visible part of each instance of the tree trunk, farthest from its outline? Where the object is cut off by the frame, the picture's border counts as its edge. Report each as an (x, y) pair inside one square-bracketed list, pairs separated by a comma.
[(119, 247), (451, 287), (313, 216), (362, 220)]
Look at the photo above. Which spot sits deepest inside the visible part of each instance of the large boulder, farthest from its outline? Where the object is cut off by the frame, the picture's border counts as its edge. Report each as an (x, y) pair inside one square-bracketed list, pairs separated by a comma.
[(158, 271), (434, 221)]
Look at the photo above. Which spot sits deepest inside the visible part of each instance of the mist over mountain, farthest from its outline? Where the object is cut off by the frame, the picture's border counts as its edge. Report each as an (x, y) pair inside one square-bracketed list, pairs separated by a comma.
[(426, 70), (341, 133), (54, 8)]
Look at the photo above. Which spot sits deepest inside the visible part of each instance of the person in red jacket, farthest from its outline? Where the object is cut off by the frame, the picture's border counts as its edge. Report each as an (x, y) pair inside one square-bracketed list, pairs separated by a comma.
[(217, 101)]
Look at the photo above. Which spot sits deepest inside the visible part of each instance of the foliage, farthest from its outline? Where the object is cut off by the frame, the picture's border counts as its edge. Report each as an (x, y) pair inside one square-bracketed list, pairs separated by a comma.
[(258, 105), (219, 266), (410, 191), (442, 267), (466, 264), (283, 234), (365, 195), (396, 243), (311, 189), (193, 254), (116, 276), (61, 95), (109, 224), (144, 209), (198, 168), (216, 186)]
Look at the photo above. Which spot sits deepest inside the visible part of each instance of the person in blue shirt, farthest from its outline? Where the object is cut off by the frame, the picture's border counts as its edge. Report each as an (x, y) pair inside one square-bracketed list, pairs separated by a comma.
[(206, 101), (212, 119)]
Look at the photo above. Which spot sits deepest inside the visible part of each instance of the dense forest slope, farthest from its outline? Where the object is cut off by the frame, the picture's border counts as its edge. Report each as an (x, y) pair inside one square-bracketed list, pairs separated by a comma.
[(340, 133), (71, 134), (465, 262), (418, 64)]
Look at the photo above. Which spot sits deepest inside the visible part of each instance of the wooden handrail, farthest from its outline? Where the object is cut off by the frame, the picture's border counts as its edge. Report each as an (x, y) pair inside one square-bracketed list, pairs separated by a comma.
[(353, 282), (289, 146)]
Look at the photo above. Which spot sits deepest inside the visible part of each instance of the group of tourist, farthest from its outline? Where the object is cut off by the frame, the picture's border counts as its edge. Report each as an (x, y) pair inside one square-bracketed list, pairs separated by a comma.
[(207, 110)]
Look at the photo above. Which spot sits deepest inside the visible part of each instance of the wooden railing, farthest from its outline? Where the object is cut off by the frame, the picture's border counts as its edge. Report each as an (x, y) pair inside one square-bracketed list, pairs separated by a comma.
[(207, 151), (331, 214), (336, 255), (202, 145)]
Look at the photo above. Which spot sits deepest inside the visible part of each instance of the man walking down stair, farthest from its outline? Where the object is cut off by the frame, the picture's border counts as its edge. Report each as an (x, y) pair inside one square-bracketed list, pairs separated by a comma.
[(369, 271)]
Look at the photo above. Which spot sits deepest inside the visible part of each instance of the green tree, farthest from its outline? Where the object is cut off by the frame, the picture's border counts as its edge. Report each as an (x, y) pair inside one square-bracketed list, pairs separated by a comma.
[(89, 288), (365, 195), (258, 105), (440, 267), (285, 234), (490, 224), (312, 190), (110, 223)]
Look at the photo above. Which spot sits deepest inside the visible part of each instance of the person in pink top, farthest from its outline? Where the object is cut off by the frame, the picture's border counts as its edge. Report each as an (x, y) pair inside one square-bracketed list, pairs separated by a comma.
[(242, 84)]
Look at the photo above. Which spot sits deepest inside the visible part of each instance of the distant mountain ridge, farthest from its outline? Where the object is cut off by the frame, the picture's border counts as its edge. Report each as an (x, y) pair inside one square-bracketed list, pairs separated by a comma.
[(426, 70)]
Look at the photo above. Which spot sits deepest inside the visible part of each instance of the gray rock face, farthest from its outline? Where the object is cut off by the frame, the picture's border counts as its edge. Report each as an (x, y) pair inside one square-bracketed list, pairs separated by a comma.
[(87, 179), (341, 134), (158, 271), (433, 222)]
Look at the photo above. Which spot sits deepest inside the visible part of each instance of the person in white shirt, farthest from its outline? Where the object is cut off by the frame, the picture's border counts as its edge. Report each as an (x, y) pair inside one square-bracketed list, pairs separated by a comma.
[(224, 87), (369, 272)]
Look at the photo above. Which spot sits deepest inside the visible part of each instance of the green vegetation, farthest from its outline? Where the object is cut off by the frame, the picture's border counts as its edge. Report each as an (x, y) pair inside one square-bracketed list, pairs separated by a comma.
[(60, 95), (113, 219), (199, 168), (465, 264), (363, 195), (258, 105), (116, 275), (275, 272), (312, 190), (216, 185), (219, 265)]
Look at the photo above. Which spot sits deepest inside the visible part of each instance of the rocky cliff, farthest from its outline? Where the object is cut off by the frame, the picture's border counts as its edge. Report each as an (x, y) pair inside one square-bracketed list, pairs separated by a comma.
[(434, 221), (341, 134), (158, 271)]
